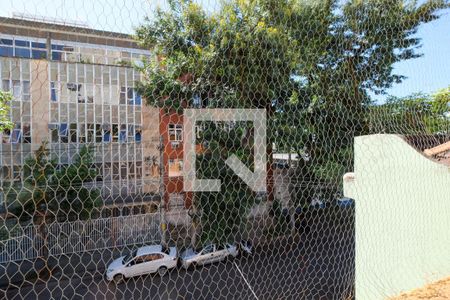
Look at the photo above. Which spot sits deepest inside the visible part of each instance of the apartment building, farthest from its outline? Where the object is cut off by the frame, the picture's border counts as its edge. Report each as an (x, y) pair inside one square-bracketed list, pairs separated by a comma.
[(73, 86)]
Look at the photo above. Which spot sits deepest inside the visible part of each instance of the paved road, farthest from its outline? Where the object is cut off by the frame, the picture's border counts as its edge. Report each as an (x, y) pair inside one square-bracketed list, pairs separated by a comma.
[(318, 265)]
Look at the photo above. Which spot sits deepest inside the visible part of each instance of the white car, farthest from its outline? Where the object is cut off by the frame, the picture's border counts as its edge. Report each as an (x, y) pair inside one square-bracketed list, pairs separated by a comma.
[(209, 254), (144, 260)]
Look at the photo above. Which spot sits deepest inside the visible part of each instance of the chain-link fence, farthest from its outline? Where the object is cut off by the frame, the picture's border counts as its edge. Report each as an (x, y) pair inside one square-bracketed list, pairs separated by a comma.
[(223, 149)]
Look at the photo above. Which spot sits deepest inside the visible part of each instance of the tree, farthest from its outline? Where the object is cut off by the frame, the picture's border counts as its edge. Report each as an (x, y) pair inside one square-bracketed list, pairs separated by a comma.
[(56, 192), (5, 122), (414, 114), (48, 192), (311, 65)]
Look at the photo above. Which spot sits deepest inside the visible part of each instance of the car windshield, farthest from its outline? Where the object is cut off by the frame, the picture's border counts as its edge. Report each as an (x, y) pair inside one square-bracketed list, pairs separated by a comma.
[(129, 257)]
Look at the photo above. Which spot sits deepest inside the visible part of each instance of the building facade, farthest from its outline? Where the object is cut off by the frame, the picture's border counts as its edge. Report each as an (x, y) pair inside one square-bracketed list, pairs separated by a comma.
[(75, 86)]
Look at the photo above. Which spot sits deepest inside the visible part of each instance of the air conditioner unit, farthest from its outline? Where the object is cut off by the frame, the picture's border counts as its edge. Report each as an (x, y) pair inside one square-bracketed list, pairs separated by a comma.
[(174, 145)]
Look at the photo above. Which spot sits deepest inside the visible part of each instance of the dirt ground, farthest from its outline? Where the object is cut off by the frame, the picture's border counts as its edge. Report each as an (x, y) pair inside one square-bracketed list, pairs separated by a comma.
[(439, 290)]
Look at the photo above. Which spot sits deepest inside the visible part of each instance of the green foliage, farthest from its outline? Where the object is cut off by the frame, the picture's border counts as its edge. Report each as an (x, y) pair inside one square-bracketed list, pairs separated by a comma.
[(310, 64), (58, 191), (5, 122), (413, 114), (223, 213)]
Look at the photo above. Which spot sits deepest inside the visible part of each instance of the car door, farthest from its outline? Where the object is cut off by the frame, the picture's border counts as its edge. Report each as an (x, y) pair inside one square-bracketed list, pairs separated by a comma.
[(134, 267), (153, 262), (207, 255), (221, 253)]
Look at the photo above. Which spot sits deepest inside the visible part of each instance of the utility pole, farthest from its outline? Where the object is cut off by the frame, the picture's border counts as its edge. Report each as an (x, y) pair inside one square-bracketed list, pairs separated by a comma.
[(162, 204)]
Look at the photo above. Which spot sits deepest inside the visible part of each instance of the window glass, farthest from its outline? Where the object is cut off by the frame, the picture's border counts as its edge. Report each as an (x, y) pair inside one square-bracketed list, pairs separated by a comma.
[(16, 134), (63, 129), (6, 42), (53, 92), (5, 85), (38, 45), (6, 51), (53, 130), (175, 132), (26, 90), (38, 54), (106, 134), (175, 167), (208, 249), (23, 52), (56, 55), (6, 135), (26, 133), (98, 133), (137, 99), (123, 95), (123, 133), (138, 135), (22, 43), (16, 90), (115, 133)]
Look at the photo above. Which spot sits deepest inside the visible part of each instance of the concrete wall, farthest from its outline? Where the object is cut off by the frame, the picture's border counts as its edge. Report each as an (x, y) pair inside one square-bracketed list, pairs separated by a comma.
[(402, 217)]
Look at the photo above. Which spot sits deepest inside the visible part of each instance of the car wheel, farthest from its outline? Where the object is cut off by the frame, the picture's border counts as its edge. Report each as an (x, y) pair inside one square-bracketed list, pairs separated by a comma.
[(118, 278), (162, 271)]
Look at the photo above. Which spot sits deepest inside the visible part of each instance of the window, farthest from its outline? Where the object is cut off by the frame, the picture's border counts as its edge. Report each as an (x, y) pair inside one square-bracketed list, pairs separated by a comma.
[(90, 137), (63, 132), (197, 101), (175, 167), (26, 91), (126, 95), (6, 135), (82, 133), (6, 48), (208, 249), (134, 133), (16, 135), (138, 169), (16, 89), (137, 98), (53, 131), (152, 257), (106, 133), (175, 132), (115, 171), (38, 54), (21, 43), (131, 173), (123, 133), (5, 85), (137, 135), (98, 133), (53, 91), (115, 133), (27, 133), (73, 133), (123, 171)]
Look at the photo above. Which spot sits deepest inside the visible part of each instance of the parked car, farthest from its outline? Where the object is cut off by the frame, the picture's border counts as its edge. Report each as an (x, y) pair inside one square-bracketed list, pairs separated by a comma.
[(245, 248), (209, 254), (144, 260), (345, 202)]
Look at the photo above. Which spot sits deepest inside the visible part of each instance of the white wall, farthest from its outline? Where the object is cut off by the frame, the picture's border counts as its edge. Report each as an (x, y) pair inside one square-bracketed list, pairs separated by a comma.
[(402, 217)]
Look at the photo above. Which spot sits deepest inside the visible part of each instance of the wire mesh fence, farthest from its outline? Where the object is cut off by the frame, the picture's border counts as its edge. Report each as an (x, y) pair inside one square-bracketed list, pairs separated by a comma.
[(219, 149)]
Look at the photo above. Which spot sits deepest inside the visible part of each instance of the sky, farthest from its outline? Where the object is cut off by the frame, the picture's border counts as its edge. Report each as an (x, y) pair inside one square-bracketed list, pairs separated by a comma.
[(427, 74)]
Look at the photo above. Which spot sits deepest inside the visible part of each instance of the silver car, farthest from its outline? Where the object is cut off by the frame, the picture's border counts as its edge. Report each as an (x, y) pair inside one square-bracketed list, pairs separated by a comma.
[(209, 254), (144, 260)]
